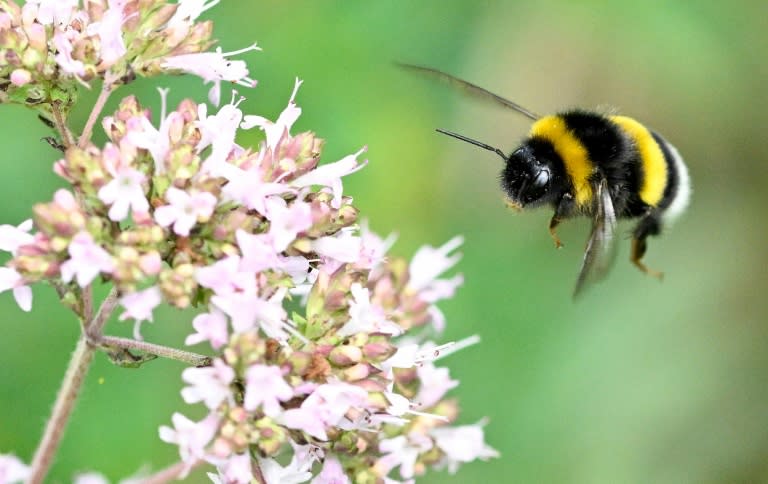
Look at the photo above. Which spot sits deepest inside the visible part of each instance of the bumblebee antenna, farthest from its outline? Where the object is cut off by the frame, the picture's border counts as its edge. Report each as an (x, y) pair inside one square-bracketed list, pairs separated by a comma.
[(474, 142)]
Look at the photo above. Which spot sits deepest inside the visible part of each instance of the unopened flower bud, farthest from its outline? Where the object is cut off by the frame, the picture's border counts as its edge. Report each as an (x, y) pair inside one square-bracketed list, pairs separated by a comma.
[(346, 355), (357, 372)]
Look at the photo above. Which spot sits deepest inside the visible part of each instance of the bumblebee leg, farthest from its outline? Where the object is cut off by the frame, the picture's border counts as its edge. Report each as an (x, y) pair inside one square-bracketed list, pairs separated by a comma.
[(649, 225), (563, 209), (553, 223)]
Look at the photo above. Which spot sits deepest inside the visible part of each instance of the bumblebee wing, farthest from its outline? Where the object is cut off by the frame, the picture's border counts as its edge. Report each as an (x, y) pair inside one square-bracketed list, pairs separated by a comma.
[(470, 88), (600, 252)]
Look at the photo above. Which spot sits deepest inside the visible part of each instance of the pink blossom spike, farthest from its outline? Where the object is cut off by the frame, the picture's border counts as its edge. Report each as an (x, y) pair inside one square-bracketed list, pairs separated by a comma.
[(429, 262), (123, 193), (184, 210), (191, 437), (435, 382), (87, 260), (275, 131), (10, 279), (332, 473), (330, 175), (11, 238), (462, 444), (109, 31), (12, 469), (213, 67), (209, 385), (294, 473), (286, 222), (211, 327), (139, 306), (265, 387), (235, 470)]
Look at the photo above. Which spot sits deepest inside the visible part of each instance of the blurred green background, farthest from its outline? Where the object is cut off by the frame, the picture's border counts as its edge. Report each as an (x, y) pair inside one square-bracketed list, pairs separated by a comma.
[(639, 381)]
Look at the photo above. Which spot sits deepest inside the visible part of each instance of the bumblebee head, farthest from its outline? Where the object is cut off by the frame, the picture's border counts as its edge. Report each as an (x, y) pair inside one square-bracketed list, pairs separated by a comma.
[(528, 176)]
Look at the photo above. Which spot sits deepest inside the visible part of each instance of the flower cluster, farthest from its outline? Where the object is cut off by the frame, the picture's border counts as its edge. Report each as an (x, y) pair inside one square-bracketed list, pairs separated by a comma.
[(180, 213), (48, 46)]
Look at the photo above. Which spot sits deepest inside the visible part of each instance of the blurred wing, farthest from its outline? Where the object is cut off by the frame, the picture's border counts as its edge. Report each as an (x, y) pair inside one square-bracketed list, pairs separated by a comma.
[(469, 88), (599, 254)]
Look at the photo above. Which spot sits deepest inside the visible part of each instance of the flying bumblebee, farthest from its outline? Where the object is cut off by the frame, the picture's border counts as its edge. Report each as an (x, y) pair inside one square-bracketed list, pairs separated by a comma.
[(583, 162)]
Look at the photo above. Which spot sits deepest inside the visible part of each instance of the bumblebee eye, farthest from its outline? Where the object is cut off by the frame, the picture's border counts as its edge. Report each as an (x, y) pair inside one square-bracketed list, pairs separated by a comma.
[(541, 178)]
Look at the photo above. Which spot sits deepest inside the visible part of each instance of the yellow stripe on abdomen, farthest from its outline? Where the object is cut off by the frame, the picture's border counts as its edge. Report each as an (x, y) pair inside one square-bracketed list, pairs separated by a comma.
[(571, 151), (654, 166)]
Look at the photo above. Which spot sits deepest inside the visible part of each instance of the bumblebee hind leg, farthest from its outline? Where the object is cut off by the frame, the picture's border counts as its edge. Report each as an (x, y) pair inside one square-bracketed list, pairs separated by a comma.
[(650, 224), (563, 210)]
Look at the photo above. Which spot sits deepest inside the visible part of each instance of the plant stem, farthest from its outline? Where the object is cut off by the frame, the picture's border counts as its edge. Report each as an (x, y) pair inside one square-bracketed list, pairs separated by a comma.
[(62, 409), (73, 380), (96, 326), (61, 126), (187, 357), (106, 90), (170, 473)]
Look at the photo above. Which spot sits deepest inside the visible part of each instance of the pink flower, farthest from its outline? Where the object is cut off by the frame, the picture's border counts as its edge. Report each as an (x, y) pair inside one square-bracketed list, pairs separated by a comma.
[(462, 444), (373, 248), (235, 470), (10, 279), (109, 31), (90, 478), (12, 469), (124, 192), (11, 238), (191, 437), (286, 222), (139, 306), (435, 382), (188, 10), (294, 473), (184, 210), (209, 385), (64, 57), (156, 141), (429, 262), (365, 318), (247, 188), (213, 67), (265, 386), (87, 260), (218, 131), (330, 175), (332, 473), (246, 310), (275, 131), (211, 327), (342, 246), (326, 406), (54, 11), (20, 77), (402, 451), (225, 277)]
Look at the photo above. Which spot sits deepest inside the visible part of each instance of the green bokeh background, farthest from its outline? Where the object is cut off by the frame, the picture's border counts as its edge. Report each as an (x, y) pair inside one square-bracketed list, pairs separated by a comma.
[(639, 381)]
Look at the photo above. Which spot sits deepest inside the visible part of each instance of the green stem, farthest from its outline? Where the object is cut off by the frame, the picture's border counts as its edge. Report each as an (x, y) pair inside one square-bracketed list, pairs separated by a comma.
[(170, 473), (73, 380), (106, 90), (62, 409), (187, 357)]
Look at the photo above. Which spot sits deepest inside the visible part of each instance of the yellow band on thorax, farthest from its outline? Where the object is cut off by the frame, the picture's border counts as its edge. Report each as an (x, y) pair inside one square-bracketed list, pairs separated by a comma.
[(654, 166), (571, 151)]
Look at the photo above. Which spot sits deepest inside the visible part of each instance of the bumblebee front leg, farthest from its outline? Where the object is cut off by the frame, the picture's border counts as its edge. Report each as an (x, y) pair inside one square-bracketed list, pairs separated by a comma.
[(649, 225), (563, 210)]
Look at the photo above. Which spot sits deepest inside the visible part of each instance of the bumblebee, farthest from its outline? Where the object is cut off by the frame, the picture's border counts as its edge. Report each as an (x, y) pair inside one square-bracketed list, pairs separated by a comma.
[(586, 163)]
